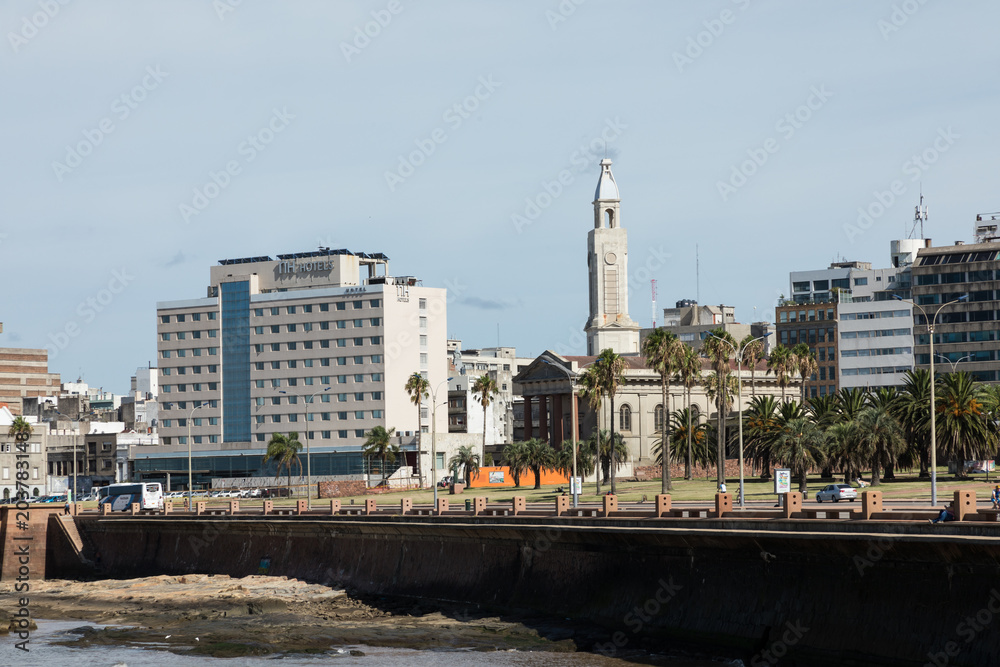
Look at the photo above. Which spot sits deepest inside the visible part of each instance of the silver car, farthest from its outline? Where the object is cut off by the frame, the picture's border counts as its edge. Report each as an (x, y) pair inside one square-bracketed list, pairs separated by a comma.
[(837, 492)]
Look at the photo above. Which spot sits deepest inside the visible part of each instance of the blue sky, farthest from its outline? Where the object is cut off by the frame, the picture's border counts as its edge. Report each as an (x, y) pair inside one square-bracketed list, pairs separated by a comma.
[(753, 129)]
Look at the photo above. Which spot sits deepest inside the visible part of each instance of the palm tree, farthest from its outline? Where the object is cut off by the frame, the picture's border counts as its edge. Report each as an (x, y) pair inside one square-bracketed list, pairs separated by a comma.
[(719, 346), (584, 463), (379, 445), (485, 388), (805, 364), (800, 447), (962, 431), (852, 402), (662, 350), (680, 419), (914, 415), (781, 363), (761, 424), (599, 443), (842, 450), (284, 450), (689, 373), (539, 456), (515, 455), (720, 389), (418, 387), (879, 439), (610, 371), (468, 459), (20, 426), (753, 352)]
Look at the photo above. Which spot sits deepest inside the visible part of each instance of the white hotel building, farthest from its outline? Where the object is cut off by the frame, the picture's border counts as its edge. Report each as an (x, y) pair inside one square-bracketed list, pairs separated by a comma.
[(320, 343)]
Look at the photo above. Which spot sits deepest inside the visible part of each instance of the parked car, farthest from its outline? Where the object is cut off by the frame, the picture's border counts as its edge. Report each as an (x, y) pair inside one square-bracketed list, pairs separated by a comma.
[(446, 481), (836, 493)]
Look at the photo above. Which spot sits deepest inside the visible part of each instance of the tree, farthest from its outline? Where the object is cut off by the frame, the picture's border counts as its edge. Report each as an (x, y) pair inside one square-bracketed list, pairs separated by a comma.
[(584, 463), (852, 402), (485, 388), (516, 456), (914, 414), (610, 369), (18, 426), (680, 420), (799, 446), (663, 350), (780, 364), (805, 364), (468, 459), (753, 352), (418, 387), (719, 346), (720, 389), (761, 425), (962, 431), (599, 446), (879, 439), (689, 373), (284, 451), (539, 456), (379, 445)]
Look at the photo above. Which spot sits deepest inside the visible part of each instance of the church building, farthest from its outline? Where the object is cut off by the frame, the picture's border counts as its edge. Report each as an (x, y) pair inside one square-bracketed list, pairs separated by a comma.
[(553, 408)]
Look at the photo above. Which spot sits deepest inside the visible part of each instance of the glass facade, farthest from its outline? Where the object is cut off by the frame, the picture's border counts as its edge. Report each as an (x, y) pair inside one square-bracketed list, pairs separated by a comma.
[(235, 361)]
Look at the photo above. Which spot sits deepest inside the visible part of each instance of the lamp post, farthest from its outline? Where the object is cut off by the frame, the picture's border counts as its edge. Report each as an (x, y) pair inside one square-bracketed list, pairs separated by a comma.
[(929, 323), (190, 476), (308, 465), (738, 351), (434, 437), (954, 364)]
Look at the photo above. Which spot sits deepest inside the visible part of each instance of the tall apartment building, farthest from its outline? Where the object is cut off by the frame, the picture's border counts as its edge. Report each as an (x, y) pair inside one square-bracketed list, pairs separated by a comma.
[(867, 338), (318, 342), (967, 334)]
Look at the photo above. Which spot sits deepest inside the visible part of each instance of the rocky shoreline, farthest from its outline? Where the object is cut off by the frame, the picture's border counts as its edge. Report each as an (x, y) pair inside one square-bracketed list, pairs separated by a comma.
[(221, 616)]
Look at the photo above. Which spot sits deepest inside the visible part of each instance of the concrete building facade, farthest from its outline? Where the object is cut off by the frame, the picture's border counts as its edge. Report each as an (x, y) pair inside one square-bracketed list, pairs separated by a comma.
[(967, 334), (303, 343), (24, 373)]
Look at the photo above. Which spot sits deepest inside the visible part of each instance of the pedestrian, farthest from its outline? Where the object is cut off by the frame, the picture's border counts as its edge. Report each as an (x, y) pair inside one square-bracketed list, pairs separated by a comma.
[(996, 497), (946, 515)]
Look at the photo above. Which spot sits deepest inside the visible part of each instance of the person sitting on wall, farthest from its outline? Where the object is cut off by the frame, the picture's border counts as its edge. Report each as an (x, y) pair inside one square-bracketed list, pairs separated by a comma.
[(946, 515), (722, 487), (996, 497)]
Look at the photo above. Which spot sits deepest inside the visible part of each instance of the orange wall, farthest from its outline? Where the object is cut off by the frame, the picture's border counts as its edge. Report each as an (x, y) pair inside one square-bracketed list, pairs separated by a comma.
[(527, 479)]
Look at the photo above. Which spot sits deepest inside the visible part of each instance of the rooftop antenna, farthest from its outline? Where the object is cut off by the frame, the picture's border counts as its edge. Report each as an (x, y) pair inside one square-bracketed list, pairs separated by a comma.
[(652, 283), (919, 214)]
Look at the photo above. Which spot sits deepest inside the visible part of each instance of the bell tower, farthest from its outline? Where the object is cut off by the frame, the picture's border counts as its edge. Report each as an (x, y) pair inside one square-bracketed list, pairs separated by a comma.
[(609, 325)]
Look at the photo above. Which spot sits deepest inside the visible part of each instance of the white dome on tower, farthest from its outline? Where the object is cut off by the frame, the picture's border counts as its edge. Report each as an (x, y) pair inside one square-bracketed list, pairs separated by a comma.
[(606, 187)]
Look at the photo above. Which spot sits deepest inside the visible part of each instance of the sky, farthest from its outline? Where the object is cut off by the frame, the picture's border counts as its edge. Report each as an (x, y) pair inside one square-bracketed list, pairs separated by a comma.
[(144, 141)]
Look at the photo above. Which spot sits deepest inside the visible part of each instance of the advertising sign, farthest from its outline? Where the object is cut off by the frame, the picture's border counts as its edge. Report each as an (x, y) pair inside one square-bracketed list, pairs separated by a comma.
[(782, 480), (496, 477), (576, 485)]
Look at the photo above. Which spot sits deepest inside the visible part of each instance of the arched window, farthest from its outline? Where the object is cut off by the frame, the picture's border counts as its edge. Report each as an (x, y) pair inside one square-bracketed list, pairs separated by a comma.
[(6, 494), (658, 418), (609, 217), (625, 415)]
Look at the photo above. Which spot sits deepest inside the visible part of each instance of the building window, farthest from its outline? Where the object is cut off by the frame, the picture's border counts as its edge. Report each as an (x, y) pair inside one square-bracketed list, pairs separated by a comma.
[(657, 418), (626, 418)]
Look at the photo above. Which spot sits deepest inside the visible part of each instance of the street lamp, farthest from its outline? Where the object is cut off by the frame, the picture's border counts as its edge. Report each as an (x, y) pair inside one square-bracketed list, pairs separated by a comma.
[(575, 434), (434, 437), (738, 351), (308, 466), (954, 364), (929, 323), (190, 477)]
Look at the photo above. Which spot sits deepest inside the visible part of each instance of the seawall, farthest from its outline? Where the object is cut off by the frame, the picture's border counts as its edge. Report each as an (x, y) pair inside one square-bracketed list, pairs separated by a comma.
[(816, 592)]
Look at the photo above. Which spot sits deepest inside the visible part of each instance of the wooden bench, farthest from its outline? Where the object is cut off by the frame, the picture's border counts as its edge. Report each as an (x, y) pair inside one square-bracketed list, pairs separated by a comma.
[(827, 513)]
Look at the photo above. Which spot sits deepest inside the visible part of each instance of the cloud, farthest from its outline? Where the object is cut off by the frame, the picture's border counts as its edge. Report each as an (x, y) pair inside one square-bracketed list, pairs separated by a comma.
[(179, 258), (489, 304)]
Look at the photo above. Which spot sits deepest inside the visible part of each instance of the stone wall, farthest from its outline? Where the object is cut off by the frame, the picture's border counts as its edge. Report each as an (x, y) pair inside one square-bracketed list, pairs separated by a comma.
[(645, 473), (734, 584), (344, 488)]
